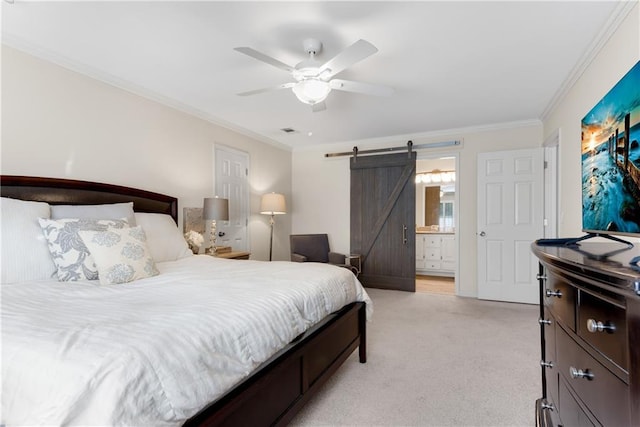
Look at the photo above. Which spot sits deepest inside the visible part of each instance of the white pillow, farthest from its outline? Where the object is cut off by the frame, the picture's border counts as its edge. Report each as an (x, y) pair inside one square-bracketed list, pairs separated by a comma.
[(108, 211), (164, 239), (121, 255), (25, 255), (70, 255)]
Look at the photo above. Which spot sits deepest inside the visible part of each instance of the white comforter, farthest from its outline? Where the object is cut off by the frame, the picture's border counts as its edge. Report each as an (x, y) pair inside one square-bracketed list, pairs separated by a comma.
[(155, 351)]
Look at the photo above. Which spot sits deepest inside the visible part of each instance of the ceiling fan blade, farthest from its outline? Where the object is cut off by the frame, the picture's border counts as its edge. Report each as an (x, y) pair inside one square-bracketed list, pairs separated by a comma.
[(264, 58), (354, 53), (318, 106), (267, 89), (359, 87)]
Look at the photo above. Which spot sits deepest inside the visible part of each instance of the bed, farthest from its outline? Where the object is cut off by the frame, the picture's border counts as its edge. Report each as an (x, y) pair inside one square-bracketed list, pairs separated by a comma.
[(205, 342)]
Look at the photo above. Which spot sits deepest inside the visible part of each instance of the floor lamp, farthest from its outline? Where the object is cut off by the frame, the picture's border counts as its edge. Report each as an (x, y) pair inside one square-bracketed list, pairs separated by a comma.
[(272, 204), (215, 208)]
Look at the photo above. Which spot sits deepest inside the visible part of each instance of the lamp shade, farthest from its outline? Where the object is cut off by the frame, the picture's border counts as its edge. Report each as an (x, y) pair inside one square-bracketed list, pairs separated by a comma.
[(216, 208), (273, 204)]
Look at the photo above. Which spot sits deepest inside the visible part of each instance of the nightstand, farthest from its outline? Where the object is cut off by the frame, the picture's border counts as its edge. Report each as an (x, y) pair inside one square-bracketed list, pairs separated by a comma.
[(233, 255)]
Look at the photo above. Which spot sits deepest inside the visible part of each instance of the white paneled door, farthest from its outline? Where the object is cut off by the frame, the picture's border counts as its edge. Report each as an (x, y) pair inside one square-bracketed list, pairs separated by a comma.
[(231, 182), (510, 218)]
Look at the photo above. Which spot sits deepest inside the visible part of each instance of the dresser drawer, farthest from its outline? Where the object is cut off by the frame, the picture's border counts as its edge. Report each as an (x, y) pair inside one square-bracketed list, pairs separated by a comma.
[(604, 326), (432, 241), (550, 362), (433, 254), (560, 299), (572, 413), (433, 265), (602, 392)]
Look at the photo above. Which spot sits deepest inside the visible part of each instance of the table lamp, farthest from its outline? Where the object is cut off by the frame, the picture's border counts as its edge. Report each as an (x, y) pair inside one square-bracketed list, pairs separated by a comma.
[(215, 208)]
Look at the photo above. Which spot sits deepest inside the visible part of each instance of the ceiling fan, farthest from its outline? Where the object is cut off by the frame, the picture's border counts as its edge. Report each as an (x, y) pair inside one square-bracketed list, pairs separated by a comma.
[(314, 80)]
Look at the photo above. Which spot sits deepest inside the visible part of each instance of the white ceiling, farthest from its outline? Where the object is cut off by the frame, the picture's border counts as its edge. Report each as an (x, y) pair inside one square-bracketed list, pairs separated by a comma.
[(452, 64)]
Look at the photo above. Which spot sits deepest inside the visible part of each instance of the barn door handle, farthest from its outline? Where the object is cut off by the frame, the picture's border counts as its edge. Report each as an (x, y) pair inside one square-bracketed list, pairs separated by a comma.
[(404, 234)]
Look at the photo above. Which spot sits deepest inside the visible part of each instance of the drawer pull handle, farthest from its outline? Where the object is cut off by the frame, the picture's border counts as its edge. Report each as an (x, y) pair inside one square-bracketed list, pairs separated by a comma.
[(579, 373), (594, 326), (546, 364), (554, 293), (548, 406), (544, 321), (541, 277)]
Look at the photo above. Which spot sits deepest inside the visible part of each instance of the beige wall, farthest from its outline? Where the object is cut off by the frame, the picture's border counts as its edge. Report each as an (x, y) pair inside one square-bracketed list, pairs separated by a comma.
[(58, 123), (620, 53), (321, 188), (321, 185)]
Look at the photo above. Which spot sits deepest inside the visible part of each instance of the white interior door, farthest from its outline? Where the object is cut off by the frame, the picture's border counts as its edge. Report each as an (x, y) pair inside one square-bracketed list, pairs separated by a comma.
[(550, 221), (231, 182), (510, 213)]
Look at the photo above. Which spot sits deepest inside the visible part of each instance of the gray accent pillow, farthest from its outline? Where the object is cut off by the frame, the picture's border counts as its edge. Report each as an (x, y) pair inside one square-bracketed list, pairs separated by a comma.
[(108, 211), (70, 255)]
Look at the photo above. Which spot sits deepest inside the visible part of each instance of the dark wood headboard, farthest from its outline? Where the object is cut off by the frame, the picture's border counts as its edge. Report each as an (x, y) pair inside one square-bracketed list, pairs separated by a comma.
[(58, 191)]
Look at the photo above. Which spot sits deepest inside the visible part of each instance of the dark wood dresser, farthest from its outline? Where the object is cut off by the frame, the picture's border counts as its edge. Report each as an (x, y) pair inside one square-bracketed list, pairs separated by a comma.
[(590, 335)]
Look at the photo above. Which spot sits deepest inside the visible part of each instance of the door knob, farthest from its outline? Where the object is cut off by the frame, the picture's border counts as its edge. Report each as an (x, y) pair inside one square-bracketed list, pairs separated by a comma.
[(482, 234), (221, 233)]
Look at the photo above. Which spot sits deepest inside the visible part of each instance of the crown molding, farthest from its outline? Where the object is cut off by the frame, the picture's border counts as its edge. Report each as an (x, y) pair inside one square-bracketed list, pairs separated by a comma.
[(85, 70), (616, 18)]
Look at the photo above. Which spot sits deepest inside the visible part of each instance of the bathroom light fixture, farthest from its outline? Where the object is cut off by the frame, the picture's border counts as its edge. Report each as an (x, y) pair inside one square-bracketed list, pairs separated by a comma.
[(436, 176)]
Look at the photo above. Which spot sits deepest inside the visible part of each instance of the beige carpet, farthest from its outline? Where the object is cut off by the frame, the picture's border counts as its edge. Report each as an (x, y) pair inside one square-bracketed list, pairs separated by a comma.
[(436, 360)]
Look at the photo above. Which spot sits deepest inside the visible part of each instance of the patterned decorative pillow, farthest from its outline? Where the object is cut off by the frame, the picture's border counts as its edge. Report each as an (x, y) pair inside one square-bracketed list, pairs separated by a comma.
[(121, 255), (70, 255)]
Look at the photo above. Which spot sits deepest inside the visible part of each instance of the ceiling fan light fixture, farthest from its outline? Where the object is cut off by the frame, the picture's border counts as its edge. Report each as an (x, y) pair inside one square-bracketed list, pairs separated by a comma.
[(315, 80), (311, 91)]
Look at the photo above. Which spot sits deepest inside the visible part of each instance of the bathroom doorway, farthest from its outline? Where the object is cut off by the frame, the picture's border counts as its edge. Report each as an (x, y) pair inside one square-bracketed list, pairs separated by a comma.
[(436, 224)]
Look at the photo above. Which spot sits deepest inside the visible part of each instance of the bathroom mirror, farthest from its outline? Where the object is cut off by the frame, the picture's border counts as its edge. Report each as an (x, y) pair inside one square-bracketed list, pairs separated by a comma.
[(435, 194)]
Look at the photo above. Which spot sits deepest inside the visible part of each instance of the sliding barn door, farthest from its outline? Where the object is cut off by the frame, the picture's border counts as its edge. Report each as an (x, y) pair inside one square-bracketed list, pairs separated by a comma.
[(383, 210)]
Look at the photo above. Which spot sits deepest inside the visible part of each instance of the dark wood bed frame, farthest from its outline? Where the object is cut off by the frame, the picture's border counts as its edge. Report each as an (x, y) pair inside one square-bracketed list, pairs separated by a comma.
[(274, 392)]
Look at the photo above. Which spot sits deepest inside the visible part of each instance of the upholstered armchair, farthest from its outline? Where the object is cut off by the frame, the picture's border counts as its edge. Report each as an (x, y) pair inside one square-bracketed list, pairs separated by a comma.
[(315, 248)]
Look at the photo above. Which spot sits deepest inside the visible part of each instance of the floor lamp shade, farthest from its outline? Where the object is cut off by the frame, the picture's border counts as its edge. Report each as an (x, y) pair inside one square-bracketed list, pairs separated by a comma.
[(272, 204)]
